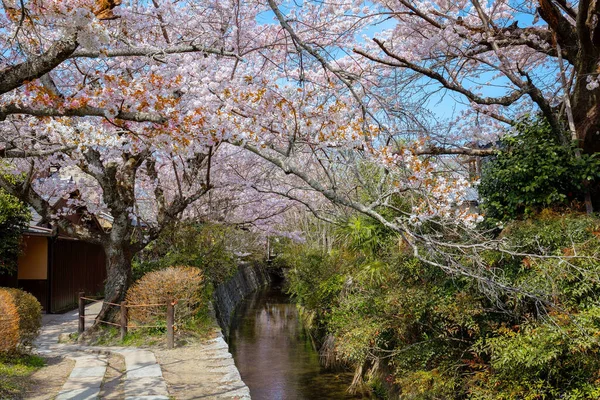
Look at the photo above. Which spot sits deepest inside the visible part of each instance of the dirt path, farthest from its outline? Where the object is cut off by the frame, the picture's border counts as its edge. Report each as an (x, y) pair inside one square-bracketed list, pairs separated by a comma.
[(45, 383), (203, 370), (112, 388)]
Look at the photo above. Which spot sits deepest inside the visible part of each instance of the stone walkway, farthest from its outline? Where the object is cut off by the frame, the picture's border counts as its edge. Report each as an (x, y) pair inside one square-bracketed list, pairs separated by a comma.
[(143, 375)]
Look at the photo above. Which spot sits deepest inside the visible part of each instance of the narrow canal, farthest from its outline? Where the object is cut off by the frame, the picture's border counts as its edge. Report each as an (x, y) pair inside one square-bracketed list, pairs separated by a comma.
[(274, 353)]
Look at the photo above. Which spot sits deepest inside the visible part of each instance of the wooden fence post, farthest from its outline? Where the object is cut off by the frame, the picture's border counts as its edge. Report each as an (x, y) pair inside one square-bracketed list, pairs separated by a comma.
[(123, 320), (81, 327), (170, 324)]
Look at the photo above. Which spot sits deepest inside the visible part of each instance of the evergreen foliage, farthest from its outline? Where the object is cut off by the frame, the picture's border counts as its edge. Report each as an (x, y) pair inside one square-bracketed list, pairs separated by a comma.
[(214, 248), (425, 334), (14, 217), (534, 170)]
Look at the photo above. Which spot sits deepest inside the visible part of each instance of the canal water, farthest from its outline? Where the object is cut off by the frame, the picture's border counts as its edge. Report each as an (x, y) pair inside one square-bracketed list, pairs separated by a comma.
[(274, 353)]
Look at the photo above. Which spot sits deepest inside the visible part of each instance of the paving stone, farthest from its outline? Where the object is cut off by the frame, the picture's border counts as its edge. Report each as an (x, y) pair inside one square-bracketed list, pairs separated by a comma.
[(146, 371), (153, 386), (90, 362), (85, 371), (239, 393), (92, 382), (139, 358), (143, 378), (80, 394)]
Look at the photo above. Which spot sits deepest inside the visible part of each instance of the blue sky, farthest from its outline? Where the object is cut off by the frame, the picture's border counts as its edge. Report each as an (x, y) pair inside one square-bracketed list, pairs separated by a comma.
[(443, 104)]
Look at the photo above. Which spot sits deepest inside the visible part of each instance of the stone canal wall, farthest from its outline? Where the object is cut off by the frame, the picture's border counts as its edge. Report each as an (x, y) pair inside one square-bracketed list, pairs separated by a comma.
[(229, 294)]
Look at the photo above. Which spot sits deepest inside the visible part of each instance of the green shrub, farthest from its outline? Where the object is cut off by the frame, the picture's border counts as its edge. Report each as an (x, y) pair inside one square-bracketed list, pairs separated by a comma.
[(434, 336), (210, 247), (534, 170), (14, 217)]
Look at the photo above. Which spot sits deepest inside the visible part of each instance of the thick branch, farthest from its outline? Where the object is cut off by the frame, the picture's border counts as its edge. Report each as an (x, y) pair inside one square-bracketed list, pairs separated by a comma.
[(563, 27), (149, 51), (15, 76), (17, 153), (435, 151), (86, 111)]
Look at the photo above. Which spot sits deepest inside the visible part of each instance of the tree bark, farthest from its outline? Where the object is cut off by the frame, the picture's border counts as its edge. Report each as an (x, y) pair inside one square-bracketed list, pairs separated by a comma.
[(586, 115), (118, 269), (14, 76), (586, 112)]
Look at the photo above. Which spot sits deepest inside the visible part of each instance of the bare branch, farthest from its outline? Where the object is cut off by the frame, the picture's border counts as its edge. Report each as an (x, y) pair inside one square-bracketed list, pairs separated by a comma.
[(404, 63)]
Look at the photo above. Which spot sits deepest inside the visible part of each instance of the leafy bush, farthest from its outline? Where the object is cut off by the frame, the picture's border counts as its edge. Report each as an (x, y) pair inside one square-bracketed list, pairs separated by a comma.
[(429, 335), (391, 318), (534, 170), (22, 318), (14, 217), (182, 284), (544, 359), (30, 315), (213, 248)]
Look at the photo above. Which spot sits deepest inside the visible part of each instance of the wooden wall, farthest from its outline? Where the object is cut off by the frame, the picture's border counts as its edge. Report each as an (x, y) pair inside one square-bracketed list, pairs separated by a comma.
[(75, 266), (8, 279), (32, 271)]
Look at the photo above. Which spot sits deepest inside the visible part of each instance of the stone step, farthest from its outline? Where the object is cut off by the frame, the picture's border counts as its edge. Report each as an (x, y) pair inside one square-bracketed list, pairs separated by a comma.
[(85, 379)]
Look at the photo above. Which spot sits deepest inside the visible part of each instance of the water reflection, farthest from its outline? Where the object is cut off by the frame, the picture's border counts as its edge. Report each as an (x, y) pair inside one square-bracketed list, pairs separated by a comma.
[(274, 354)]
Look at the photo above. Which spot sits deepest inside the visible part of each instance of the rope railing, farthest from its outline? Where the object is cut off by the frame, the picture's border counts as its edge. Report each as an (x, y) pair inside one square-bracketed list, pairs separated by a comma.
[(124, 320), (145, 305)]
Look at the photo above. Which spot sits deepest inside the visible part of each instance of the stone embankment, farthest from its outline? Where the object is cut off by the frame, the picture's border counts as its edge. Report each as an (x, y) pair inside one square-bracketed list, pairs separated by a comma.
[(228, 295)]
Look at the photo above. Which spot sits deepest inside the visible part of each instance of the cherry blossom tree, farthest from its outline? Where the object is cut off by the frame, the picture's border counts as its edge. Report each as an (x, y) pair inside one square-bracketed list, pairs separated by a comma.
[(108, 106), (340, 127), (499, 59), (144, 99)]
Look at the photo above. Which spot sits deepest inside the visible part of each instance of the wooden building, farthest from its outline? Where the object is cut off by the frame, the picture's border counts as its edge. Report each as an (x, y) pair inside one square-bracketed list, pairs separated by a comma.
[(54, 267)]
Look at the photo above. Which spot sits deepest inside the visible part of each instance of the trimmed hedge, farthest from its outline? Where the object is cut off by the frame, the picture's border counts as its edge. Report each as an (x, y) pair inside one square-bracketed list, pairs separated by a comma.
[(20, 319), (9, 322), (183, 284)]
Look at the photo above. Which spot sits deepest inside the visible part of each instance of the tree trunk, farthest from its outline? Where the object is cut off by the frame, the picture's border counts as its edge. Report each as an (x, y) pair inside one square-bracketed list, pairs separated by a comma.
[(586, 114), (587, 121), (118, 268)]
